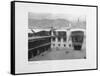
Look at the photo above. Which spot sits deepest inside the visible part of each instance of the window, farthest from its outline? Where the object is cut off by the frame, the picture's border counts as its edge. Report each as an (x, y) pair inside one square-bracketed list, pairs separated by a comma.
[(53, 44), (53, 39), (64, 45), (64, 39), (58, 44), (59, 39)]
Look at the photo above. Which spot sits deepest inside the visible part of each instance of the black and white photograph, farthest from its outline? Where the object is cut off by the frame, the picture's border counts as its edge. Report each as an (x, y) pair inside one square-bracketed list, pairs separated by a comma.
[(53, 37), (56, 36)]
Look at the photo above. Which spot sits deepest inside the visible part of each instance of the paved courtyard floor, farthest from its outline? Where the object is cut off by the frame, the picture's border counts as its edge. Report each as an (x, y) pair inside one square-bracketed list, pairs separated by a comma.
[(60, 54)]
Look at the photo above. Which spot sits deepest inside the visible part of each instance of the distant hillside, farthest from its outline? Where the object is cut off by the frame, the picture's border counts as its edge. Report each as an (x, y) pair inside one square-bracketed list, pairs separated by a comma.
[(46, 23), (56, 23)]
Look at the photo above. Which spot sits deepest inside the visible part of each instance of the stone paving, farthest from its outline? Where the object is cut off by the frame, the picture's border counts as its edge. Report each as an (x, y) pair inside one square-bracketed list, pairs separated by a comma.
[(61, 53)]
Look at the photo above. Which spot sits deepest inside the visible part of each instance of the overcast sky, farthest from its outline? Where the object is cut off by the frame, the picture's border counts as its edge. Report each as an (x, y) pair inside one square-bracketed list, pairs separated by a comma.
[(70, 17), (41, 11), (47, 11)]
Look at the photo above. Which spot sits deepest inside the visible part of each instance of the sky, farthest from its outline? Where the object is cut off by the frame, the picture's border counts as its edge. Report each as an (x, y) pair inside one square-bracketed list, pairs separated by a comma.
[(40, 11), (69, 17), (45, 11)]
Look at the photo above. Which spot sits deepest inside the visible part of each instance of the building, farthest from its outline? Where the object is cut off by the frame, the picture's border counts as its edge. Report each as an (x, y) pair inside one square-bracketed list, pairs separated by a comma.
[(62, 38), (55, 38), (38, 43), (59, 39), (77, 36)]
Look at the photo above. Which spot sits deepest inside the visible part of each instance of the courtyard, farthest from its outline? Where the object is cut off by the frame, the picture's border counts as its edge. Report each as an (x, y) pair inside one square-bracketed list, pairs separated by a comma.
[(60, 53)]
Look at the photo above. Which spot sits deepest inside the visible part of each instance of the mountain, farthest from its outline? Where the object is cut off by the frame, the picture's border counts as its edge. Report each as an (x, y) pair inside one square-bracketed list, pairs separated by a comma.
[(47, 23)]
